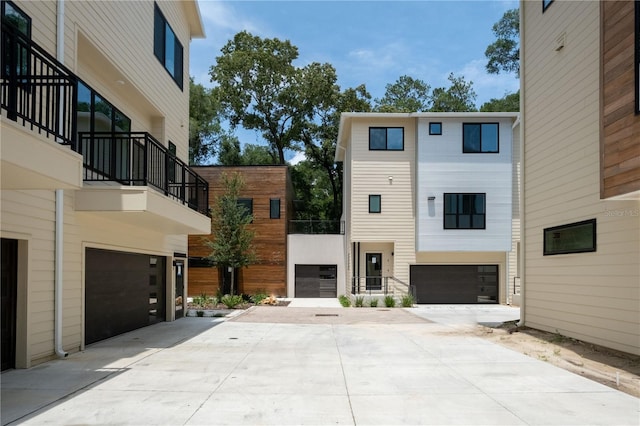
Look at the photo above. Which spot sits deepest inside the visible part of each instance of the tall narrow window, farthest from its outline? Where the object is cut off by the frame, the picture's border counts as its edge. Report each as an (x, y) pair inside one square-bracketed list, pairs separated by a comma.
[(247, 205), (637, 57), (464, 211), (375, 203), (274, 208), (166, 47), (14, 17)]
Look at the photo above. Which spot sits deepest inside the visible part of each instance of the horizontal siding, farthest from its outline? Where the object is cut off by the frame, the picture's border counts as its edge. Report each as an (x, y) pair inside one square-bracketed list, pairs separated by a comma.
[(589, 296)]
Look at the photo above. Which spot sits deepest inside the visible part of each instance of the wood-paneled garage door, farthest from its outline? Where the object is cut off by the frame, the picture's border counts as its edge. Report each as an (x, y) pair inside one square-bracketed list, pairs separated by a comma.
[(316, 281), (455, 283), (123, 292)]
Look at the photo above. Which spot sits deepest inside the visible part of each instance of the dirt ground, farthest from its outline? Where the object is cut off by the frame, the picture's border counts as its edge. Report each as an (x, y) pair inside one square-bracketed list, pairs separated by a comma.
[(615, 369)]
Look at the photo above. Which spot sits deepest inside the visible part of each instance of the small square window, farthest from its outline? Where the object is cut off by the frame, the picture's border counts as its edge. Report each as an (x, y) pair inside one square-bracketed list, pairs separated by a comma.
[(546, 4), (435, 128), (375, 203), (274, 208)]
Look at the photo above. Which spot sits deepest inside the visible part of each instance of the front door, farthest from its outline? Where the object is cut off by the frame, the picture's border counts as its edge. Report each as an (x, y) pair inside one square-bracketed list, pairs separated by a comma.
[(9, 278), (179, 302), (374, 271)]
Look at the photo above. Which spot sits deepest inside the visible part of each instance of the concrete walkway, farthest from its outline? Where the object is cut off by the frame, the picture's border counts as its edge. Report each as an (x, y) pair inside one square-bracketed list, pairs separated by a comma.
[(203, 371)]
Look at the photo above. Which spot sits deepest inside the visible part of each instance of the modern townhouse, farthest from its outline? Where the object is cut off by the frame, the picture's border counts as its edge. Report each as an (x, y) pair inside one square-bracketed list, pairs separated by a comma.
[(431, 204), (97, 198), (580, 105)]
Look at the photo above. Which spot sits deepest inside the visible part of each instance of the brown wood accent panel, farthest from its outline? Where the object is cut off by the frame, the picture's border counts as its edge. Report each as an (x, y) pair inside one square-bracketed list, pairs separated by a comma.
[(620, 125), (262, 183)]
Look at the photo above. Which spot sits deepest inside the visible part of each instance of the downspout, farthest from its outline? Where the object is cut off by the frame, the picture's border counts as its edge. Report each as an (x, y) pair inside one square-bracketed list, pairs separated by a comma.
[(59, 236), (523, 257)]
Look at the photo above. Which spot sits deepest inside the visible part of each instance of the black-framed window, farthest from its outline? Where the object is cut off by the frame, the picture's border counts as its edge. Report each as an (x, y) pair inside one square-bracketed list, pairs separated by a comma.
[(480, 138), (167, 47), (200, 262), (96, 114), (386, 138), (13, 16), (465, 211), (546, 4), (247, 205), (274, 208), (578, 237), (637, 57), (375, 203), (435, 128)]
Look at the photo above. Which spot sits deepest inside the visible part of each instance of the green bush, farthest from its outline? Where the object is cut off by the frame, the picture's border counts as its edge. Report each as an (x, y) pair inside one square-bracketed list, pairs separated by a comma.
[(389, 301), (407, 301), (258, 297), (231, 301), (359, 301), (373, 302), (345, 301)]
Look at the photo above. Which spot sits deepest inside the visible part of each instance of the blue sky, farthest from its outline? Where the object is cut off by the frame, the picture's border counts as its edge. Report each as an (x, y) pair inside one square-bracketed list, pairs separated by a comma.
[(370, 42)]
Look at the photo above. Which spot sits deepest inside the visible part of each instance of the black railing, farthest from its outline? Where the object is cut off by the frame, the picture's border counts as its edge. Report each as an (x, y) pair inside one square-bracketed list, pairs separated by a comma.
[(379, 285), (315, 227), (136, 158), (36, 88)]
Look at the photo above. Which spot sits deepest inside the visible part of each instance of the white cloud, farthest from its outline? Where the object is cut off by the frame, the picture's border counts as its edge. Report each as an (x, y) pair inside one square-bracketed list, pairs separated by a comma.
[(487, 85), (299, 157)]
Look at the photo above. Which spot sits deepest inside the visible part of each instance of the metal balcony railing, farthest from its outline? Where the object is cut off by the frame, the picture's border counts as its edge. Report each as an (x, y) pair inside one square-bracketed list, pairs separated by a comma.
[(36, 89), (42, 94), (379, 285), (315, 227), (137, 158)]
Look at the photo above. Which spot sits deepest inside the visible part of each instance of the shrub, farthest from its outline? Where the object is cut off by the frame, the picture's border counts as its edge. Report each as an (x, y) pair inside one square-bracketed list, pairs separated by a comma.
[(373, 302), (359, 301), (345, 301), (389, 301), (231, 301), (407, 301), (258, 297)]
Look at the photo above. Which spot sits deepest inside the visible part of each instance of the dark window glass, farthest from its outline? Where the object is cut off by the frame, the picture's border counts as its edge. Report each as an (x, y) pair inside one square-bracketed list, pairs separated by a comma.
[(13, 16), (546, 4), (579, 237), (247, 205), (386, 138), (375, 203), (480, 138), (637, 57), (435, 128), (274, 208), (167, 48), (464, 211)]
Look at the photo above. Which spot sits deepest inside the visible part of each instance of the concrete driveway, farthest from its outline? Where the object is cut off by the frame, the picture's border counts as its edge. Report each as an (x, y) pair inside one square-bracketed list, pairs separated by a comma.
[(319, 366)]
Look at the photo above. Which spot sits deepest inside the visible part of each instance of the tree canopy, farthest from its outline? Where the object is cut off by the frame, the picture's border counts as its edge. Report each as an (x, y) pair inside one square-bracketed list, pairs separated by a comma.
[(405, 95), (205, 129), (504, 53), (458, 97)]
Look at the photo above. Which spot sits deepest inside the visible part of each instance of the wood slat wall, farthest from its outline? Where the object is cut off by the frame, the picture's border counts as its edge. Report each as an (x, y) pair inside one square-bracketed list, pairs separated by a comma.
[(262, 183), (620, 141)]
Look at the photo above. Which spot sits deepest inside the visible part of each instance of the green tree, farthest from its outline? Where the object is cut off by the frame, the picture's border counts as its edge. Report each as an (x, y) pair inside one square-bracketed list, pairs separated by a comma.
[(232, 244), (405, 95), (261, 89), (230, 154), (459, 97), (205, 130), (510, 103), (504, 53)]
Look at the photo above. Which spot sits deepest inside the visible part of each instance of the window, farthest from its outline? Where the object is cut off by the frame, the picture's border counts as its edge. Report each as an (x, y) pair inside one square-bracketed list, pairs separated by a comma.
[(546, 4), (96, 114), (274, 208), (166, 47), (480, 138), (375, 203), (464, 211), (579, 237), (435, 128), (386, 138), (13, 16), (247, 205), (637, 57)]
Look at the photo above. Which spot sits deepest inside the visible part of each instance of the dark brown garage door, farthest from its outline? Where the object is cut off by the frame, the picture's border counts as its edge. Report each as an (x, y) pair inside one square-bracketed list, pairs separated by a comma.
[(316, 281), (123, 292), (455, 283)]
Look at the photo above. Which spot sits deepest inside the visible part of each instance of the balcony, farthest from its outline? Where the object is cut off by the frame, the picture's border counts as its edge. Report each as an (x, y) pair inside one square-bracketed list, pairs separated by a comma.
[(41, 149)]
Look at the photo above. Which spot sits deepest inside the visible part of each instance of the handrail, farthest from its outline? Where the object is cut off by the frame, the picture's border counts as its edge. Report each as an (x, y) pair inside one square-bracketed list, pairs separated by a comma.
[(379, 285), (36, 88), (137, 158), (514, 285)]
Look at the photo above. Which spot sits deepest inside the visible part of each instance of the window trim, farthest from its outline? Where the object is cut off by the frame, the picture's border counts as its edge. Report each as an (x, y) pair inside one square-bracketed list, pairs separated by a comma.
[(271, 207), (386, 143), (546, 4), (590, 249), (497, 151), (433, 133), (160, 46), (372, 197), (457, 214)]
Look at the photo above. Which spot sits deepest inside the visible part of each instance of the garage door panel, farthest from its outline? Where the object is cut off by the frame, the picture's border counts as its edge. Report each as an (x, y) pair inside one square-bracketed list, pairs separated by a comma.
[(467, 284), (312, 281)]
